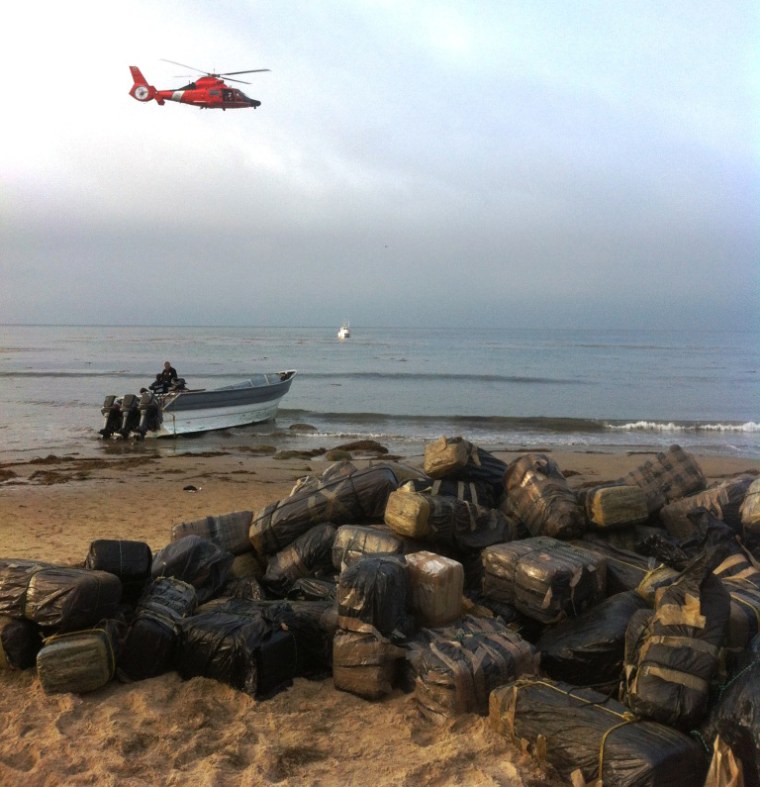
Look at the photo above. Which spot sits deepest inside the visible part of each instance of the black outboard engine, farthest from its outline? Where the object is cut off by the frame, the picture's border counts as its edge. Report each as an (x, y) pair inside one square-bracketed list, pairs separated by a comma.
[(150, 413), (130, 414), (111, 411)]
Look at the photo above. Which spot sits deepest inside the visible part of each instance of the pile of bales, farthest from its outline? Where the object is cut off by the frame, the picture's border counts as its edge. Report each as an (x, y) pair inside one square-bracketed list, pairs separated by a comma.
[(613, 630)]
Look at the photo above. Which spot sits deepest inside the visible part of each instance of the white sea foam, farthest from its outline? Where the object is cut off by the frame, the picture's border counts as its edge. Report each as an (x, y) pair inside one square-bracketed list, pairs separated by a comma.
[(670, 426)]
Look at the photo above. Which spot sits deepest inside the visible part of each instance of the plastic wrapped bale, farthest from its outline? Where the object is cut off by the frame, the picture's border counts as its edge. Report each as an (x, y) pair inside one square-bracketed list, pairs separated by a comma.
[(130, 561), (614, 505), (588, 650), (584, 730), (677, 654), (447, 521), (247, 565), (313, 629), (242, 651), (456, 667), (671, 474), (437, 587), (457, 459), (365, 664), (539, 493), (80, 661), (722, 501), (313, 589), (151, 639), (20, 641), (477, 492), (357, 498), (353, 542), (309, 555), (195, 560), (544, 578), (741, 578), (15, 576), (625, 569), (67, 599), (227, 531), (373, 597), (735, 715), (749, 515)]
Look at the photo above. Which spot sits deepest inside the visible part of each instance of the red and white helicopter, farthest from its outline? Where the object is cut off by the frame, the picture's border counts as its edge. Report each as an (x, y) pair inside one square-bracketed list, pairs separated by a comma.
[(207, 92)]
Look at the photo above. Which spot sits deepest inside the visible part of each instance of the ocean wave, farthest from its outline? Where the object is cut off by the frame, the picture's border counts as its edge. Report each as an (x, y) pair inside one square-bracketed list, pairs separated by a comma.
[(671, 426)]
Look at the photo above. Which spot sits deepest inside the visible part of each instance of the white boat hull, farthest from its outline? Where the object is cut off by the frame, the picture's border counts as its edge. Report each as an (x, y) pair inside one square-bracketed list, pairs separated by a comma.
[(190, 422)]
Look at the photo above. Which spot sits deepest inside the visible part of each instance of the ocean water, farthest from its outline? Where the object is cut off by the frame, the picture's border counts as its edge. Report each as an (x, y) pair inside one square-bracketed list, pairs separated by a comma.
[(502, 389)]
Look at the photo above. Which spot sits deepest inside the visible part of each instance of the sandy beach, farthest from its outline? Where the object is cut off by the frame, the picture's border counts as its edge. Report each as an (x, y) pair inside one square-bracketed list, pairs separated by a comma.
[(166, 731)]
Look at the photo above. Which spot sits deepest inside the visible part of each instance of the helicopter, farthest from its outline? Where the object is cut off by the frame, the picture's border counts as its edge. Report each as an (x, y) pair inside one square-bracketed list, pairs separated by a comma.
[(207, 92)]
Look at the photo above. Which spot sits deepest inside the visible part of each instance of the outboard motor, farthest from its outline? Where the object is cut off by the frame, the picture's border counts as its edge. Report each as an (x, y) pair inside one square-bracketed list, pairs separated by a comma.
[(150, 413), (111, 411), (130, 414)]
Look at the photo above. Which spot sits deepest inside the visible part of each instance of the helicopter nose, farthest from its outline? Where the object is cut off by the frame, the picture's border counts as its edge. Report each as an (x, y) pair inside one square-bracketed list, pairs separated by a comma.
[(255, 103)]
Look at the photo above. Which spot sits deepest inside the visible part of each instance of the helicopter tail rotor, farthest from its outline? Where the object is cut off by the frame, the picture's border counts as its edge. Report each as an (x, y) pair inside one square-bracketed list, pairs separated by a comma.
[(141, 90)]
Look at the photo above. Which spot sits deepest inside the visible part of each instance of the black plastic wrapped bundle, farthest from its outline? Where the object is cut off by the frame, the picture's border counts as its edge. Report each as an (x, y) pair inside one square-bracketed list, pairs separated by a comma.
[(544, 578), (357, 498), (228, 531), (585, 730), (373, 595), (195, 560), (314, 641), (309, 555), (540, 496), (151, 639), (67, 599), (15, 576), (677, 653), (457, 666), (129, 560), (588, 650), (20, 640), (457, 459)]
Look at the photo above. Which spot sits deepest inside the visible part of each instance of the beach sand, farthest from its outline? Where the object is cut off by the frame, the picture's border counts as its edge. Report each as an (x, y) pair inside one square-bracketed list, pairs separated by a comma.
[(166, 731)]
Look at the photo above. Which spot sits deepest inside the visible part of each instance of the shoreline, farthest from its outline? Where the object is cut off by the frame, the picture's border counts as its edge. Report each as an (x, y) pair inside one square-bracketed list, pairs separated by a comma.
[(171, 732)]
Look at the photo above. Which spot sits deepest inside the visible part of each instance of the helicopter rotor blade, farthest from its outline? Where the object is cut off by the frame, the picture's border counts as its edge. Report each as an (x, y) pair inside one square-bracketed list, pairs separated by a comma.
[(240, 81), (192, 68), (250, 71)]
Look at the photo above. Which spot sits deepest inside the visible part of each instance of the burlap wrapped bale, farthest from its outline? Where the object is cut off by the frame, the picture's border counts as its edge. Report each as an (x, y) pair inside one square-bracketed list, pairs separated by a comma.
[(542, 499), (353, 542), (723, 501), (671, 474), (373, 597), (67, 599), (79, 661), (151, 639), (193, 559), (677, 654), (584, 730), (358, 498), (227, 531), (365, 664), (456, 667), (447, 521), (458, 459), (20, 641), (614, 505), (544, 578), (749, 513), (588, 649), (309, 555), (437, 587)]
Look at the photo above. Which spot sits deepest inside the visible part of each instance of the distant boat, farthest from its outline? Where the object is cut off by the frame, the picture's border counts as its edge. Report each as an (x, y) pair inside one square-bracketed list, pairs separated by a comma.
[(188, 411), (344, 332)]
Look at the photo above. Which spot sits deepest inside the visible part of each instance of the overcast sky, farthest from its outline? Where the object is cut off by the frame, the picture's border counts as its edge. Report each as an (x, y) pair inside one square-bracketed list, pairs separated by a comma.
[(505, 163)]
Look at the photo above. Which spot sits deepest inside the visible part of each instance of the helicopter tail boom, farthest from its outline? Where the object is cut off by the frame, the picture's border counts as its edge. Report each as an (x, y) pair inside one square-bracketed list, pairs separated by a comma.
[(141, 90)]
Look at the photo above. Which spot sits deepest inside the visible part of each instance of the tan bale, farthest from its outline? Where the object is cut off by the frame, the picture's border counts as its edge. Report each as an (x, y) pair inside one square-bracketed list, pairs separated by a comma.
[(446, 454), (365, 664), (750, 508), (79, 662), (616, 506), (437, 585), (407, 513)]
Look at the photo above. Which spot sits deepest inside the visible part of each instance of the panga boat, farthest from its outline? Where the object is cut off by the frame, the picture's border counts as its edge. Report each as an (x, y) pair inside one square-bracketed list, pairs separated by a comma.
[(344, 332), (188, 411)]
